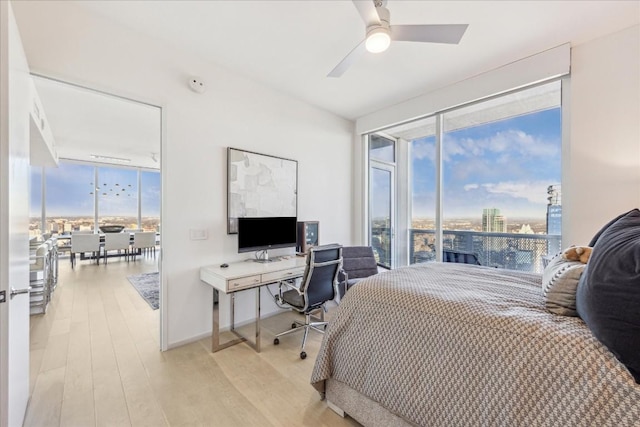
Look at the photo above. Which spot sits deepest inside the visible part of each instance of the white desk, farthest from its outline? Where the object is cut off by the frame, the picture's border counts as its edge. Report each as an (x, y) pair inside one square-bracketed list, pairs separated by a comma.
[(240, 276)]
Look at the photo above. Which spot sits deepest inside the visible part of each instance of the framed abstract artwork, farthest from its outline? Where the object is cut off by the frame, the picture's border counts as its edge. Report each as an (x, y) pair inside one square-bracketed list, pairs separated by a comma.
[(259, 185)]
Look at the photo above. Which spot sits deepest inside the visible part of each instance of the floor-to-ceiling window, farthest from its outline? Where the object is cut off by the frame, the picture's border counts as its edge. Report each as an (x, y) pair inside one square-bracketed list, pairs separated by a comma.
[(36, 219), (421, 142), (118, 197), (150, 200), (500, 173), (69, 197), (78, 194)]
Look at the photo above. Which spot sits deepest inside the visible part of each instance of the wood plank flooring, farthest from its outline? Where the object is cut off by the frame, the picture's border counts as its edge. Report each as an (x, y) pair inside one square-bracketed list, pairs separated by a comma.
[(95, 361)]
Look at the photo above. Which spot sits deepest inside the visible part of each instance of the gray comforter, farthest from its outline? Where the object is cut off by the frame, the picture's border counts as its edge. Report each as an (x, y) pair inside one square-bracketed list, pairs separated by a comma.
[(443, 344)]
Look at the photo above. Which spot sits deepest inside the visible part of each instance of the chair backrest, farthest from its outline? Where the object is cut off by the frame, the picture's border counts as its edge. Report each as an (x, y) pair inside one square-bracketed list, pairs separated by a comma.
[(116, 241), (40, 257), (359, 261), (144, 239), (321, 275), (85, 243)]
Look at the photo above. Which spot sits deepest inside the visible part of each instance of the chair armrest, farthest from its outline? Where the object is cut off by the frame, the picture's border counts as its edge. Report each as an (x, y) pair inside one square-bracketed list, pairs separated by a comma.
[(287, 284)]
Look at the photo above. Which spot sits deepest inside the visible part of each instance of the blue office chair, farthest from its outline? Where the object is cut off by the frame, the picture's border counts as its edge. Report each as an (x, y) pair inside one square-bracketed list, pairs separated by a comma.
[(318, 285)]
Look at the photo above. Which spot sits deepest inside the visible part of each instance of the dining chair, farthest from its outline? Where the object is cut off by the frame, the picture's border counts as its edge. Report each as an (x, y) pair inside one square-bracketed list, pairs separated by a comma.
[(81, 243), (116, 241), (143, 241)]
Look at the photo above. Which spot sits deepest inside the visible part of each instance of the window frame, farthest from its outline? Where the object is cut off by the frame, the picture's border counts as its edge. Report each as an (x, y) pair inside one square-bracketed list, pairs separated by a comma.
[(404, 172)]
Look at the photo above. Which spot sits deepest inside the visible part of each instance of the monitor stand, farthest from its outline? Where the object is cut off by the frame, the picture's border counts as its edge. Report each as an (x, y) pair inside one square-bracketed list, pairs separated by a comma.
[(264, 257)]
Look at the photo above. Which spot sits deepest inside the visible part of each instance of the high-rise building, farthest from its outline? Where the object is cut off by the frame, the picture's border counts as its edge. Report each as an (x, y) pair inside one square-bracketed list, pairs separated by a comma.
[(554, 210), (554, 218), (493, 221)]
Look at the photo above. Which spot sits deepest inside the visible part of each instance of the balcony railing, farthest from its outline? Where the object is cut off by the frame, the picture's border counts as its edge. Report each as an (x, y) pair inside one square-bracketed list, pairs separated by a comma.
[(523, 252)]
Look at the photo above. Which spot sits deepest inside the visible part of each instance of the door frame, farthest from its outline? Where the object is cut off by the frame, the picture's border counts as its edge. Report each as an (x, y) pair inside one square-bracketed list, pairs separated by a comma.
[(390, 167), (15, 105), (164, 328)]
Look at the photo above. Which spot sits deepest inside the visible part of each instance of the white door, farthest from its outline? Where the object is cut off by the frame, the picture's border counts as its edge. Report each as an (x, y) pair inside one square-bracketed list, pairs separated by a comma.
[(14, 215)]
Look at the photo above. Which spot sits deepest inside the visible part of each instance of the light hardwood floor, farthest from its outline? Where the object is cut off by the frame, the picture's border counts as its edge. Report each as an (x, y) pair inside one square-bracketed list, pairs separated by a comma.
[(95, 360)]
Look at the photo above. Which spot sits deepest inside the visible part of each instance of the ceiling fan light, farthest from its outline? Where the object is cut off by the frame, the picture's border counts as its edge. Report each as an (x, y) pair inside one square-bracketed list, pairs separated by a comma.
[(378, 40)]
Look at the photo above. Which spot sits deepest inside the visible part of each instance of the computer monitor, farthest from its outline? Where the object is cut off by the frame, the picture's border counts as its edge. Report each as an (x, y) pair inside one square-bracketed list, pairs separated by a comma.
[(257, 234)]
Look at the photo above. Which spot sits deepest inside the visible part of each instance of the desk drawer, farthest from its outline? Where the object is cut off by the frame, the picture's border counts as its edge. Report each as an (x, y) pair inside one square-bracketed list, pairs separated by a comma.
[(284, 274), (242, 283)]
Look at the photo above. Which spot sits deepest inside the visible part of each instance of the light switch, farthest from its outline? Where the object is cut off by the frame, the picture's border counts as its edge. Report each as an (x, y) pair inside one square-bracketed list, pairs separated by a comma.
[(198, 234)]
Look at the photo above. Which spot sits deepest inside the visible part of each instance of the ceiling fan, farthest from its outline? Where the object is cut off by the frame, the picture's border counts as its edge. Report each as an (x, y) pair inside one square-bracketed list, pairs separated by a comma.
[(379, 33)]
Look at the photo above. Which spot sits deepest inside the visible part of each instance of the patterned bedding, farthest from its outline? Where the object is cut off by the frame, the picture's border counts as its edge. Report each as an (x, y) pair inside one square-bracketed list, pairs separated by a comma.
[(444, 344)]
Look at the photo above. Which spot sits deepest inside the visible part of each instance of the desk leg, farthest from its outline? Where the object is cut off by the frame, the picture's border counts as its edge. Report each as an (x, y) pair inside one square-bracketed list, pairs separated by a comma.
[(258, 319), (254, 345), (215, 333)]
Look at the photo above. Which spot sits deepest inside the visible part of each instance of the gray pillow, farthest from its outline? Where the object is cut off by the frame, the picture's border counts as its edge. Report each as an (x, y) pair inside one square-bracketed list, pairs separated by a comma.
[(595, 238), (559, 283), (608, 297)]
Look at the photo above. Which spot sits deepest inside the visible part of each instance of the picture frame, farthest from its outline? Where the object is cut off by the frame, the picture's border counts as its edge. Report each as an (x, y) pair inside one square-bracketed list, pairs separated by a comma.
[(260, 185)]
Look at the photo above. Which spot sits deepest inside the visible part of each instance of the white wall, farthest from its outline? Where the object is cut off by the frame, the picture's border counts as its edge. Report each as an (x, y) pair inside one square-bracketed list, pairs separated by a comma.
[(234, 112), (603, 177)]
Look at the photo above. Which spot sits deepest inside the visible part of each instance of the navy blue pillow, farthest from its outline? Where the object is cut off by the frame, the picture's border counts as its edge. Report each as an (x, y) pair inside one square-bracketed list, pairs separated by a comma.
[(608, 295), (593, 241)]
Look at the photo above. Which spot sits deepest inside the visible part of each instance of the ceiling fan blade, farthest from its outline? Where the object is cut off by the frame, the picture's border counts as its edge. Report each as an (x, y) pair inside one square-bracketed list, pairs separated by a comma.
[(445, 33), (368, 12), (355, 53)]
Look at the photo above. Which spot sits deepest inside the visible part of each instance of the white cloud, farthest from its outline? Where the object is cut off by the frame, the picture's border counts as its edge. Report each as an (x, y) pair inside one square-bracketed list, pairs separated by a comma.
[(507, 143), (471, 187), (423, 150), (533, 191)]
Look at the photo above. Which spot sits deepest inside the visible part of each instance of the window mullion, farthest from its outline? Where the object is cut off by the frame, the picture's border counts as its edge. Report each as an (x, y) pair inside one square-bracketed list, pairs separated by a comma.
[(439, 186)]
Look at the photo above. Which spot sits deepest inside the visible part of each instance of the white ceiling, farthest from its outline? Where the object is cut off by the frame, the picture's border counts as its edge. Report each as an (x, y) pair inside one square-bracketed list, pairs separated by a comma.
[(291, 45), (85, 123)]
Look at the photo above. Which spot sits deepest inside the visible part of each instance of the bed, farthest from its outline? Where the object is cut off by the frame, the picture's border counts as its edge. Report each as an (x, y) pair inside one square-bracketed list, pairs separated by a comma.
[(441, 344)]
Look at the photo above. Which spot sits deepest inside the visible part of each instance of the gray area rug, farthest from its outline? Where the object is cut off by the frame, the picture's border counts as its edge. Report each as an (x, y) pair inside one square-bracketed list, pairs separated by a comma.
[(148, 286)]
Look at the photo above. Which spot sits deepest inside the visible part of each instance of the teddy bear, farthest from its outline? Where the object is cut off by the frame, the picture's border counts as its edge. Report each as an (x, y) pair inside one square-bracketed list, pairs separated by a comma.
[(577, 253)]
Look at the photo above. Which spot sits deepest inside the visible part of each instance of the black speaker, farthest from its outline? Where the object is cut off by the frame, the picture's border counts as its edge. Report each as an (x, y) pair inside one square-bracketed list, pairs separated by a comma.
[(308, 235)]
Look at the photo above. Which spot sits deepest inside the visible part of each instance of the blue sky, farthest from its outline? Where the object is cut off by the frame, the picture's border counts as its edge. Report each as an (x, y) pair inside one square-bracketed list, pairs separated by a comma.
[(68, 189), (506, 165)]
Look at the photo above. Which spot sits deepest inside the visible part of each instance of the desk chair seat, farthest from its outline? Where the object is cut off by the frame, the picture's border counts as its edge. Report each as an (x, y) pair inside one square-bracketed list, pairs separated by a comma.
[(317, 286)]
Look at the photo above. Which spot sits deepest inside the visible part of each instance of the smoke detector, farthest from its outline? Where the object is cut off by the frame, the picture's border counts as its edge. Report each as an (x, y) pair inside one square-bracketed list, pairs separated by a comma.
[(197, 85)]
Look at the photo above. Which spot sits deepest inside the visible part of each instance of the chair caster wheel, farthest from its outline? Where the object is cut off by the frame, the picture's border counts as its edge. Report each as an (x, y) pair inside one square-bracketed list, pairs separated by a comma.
[(303, 355), (294, 325), (276, 341)]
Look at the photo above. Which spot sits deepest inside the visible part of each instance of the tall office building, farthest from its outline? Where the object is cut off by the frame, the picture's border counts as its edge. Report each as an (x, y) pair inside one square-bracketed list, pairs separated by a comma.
[(554, 219), (493, 222), (554, 210)]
